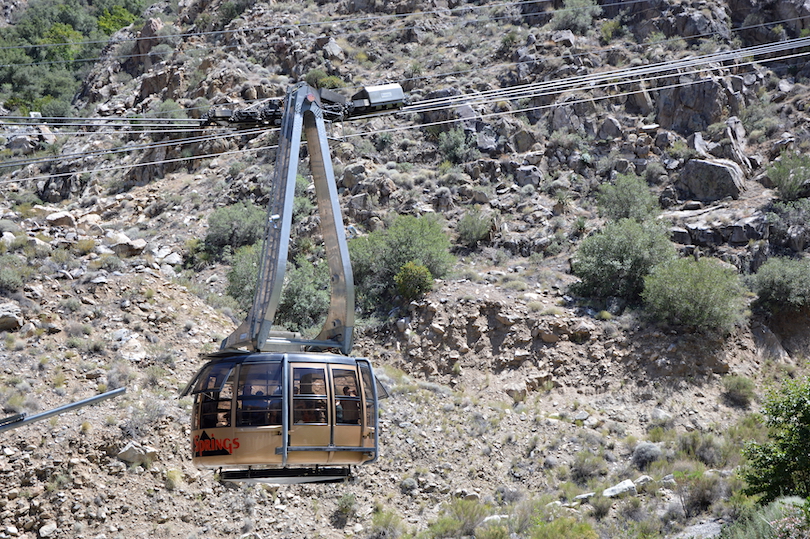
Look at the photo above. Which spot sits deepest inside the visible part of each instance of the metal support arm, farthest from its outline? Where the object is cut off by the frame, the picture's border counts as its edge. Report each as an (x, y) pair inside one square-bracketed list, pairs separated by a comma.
[(303, 114)]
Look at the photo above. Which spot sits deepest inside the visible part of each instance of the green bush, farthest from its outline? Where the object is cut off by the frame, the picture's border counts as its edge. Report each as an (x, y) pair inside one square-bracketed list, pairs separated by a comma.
[(576, 15), (13, 273), (71, 29), (473, 227), (386, 525), (615, 261), (110, 21), (698, 491), (782, 216), (562, 528), (739, 390), (782, 284), (706, 294), (317, 78), (413, 281), (244, 274), (379, 256), (757, 523), (791, 175), (586, 466), (610, 29), (466, 515), (628, 198), (780, 466), (228, 11), (456, 147), (305, 298), (232, 227)]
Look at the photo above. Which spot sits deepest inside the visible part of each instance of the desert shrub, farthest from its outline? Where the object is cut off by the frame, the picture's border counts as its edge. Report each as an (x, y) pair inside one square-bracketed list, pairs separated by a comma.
[(705, 294), (761, 119), (782, 284), (576, 15), (609, 29), (347, 504), (783, 216), (781, 465), (13, 273), (758, 523), (305, 297), (244, 274), (112, 20), (302, 205), (413, 281), (473, 227), (562, 528), (386, 525), (469, 514), (174, 478), (456, 147), (738, 390), (791, 175), (698, 491), (119, 375), (615, 261), (601, 506), (233, 226), (108, 263), (645, 454), (380, 255), (700, 446), (628, 198), (586, 466), (142, 419), (228, 11), (317, 78)]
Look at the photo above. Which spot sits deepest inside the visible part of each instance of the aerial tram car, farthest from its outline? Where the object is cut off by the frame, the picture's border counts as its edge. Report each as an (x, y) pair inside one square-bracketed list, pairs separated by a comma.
[(271, 406)]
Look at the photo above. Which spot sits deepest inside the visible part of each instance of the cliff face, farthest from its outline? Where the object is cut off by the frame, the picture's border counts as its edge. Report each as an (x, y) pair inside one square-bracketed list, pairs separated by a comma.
[(500, 381)]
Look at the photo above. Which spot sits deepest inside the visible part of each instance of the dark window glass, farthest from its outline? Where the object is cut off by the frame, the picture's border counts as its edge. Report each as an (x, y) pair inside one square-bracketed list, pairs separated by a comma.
[(368, 391), (347, 398), (258, 400), (309, 395), (214, 395)]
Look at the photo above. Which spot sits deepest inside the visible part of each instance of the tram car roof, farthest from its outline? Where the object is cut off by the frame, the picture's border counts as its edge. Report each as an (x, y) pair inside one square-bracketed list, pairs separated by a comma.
[(381, 94)]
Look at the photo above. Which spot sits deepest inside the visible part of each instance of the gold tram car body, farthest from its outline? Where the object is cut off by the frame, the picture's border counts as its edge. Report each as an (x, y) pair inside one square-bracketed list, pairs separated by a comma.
[(243, 403)]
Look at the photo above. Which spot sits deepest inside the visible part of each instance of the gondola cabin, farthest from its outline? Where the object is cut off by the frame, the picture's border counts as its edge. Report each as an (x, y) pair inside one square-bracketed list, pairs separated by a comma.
[(244, 402), (376, 98)]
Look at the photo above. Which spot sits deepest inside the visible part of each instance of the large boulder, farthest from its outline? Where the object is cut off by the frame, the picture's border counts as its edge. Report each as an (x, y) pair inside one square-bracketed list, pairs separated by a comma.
[(712, 179), (794, 13), (625, 488), (687, 108), (11, 318)]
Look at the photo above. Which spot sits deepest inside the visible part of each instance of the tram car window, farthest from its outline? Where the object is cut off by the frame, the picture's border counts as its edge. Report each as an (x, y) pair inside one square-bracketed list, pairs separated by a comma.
[(259, 395), (309, 390), (215, 391)]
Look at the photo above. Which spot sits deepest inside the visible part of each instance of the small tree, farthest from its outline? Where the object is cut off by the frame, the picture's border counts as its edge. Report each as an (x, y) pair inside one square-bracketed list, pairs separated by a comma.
[(615, 261), (703, 294), (628, 198), (780, 466), (782, 284)]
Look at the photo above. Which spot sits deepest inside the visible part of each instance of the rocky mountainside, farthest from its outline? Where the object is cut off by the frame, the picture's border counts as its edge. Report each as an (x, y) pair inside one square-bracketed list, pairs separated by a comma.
[(505, 390)]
